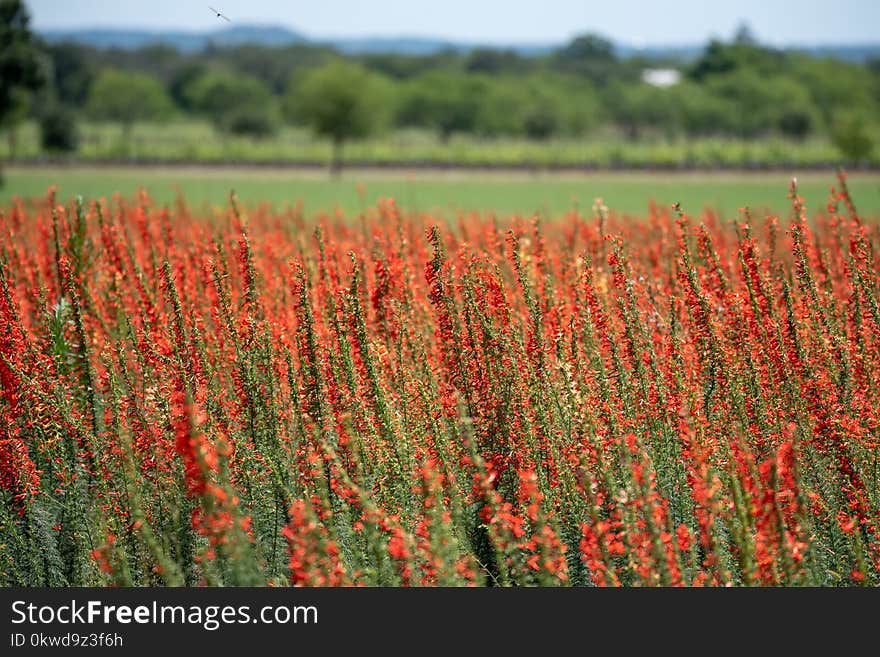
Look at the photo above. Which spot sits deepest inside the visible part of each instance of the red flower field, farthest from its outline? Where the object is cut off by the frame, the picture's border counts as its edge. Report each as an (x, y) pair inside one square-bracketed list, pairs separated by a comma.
[(248, 397)]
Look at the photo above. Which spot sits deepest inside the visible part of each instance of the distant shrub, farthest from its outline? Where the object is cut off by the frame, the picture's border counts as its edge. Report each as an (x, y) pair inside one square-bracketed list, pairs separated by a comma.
[(249, 121), (541, 123), (795, 123), (58, 131)]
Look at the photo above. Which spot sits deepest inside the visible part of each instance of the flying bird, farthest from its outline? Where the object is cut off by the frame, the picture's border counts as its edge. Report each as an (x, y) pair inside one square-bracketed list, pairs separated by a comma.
[(219, 15)]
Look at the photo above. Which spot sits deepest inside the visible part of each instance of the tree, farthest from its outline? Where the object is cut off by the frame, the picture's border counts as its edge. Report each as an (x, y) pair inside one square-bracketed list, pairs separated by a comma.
[(494, 62), (341, 101), (836, 87), (850, 135), (764, 103), (237, 104), (589, 56), (702, 113), (19, 107), (498, 105), (58, 131), (444, 101), (541, 122), (639, 106), (256, 121), (73, 70), (717, 59), (21, 69), (795, 123), (569, 104), (126, 98), (538, 106), (744, 35), (743, 55), (271, 65), (404, 66), (746, 104), (182, 80)]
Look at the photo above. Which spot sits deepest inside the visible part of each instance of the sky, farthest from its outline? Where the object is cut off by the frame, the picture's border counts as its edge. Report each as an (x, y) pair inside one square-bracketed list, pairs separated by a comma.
[(661, 22)]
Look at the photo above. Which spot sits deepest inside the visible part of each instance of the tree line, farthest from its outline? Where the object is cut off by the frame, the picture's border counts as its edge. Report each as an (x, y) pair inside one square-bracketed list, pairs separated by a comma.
[(736, 89)]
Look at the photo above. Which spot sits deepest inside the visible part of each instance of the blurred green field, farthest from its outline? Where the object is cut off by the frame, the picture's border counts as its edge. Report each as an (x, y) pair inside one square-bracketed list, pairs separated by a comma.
[(445, 191), (181, 141)]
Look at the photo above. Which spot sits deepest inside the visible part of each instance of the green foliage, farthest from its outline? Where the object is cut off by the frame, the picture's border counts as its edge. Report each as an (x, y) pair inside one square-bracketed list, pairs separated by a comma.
[(443, 101), (850, 135), (403, 67), (760, 104), (340, 101), (589, 56), (181, 82), (273, 66), (499, 113), (58, 132), (235, 103), (18, 108), (796, 122), (700, 112), (722, 59), (21, 69), (73, 70), (535, 106), (640, 107), (250, 121), (738, 90), (835, 86), (188, 141), (541, 122), (496, 62), (127, 97), (717, 59)]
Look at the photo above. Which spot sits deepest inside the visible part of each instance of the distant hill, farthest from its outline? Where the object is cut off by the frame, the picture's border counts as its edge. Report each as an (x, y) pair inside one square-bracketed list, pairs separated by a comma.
[(849, 52), (187, 41), (270, 35), (424, 46), (184, 41), (853, 53)]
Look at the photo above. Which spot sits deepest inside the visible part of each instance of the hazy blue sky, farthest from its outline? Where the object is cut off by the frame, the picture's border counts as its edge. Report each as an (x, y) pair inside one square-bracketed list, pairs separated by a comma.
[(492, 21)]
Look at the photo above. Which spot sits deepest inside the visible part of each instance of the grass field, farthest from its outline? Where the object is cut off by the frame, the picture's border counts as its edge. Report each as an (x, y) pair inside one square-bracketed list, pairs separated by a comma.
[(197, 142), (444, 192)]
